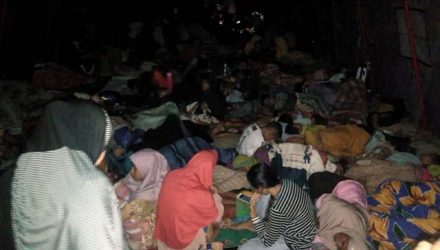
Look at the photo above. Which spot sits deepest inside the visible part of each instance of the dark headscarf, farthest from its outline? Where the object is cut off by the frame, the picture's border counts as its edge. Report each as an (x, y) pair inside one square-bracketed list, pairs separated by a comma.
[(323, 183), (78, 125)]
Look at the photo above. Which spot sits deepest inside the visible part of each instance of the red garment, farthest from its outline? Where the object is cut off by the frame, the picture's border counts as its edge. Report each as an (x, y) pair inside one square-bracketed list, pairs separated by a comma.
[(158, 77), (185, 201), (163, 82)]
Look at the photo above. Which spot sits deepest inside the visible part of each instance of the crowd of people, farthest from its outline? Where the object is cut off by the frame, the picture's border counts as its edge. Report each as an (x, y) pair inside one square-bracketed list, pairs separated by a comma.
[(149, 151)]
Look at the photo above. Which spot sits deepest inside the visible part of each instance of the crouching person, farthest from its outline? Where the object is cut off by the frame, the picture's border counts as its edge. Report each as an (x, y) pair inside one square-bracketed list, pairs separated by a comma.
[(290, 223), (189, 209)]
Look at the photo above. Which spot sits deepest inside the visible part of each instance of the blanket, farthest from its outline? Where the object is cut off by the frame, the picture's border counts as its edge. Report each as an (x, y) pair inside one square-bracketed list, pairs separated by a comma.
[(339, 141), (234, 238), (153, 118), (372, 173), (403, 213), (180, 152)]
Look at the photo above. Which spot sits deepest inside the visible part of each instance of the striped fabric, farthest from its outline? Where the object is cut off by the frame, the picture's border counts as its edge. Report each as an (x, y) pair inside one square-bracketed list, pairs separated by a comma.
[(63, 207), (226, 179), (291, 216)]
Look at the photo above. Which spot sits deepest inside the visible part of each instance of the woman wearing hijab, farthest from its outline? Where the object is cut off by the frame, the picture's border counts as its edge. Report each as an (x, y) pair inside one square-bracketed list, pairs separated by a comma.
[(138, 194), (189, 207), (343, 217), (60, 199)]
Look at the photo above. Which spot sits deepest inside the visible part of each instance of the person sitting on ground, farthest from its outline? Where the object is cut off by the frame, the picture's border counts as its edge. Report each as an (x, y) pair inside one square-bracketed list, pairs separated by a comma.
[(60, 199), (211, 94), (342, 212), (138, 193), (256, 136), (290, 222), (189, 207)]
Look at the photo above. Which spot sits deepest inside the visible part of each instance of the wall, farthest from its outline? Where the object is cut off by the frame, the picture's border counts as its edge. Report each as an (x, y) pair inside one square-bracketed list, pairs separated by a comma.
[(391, 72)]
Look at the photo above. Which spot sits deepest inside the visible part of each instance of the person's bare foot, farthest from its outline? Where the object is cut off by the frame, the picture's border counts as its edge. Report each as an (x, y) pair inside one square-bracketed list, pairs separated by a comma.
[(342, 240), (216, 245), (119, 152)]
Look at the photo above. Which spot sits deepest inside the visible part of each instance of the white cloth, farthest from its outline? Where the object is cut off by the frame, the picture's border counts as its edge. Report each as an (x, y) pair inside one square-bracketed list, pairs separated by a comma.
[(262, 205), (284, 135), (256, 244), (293, 157), (235, 97), (61, 201), (251, 139)]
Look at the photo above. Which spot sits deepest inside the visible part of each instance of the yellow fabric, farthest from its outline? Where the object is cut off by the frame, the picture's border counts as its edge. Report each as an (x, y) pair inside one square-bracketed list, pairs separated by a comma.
[(311, 135), (339, 141), (281, 47)]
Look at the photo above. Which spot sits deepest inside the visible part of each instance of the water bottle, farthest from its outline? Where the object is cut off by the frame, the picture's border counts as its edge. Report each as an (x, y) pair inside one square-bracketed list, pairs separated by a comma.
[(169, 80), (226, 71)]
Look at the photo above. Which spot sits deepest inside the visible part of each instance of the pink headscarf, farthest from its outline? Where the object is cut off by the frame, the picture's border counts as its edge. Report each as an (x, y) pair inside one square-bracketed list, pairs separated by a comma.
[(153, 167), (352, 192), (186, 202)]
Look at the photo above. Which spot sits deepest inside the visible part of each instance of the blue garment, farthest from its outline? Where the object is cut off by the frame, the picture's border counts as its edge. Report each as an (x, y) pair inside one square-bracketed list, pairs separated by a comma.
[(119, 166), (180, 152), (127, 138), (403, 158), (376, 139)]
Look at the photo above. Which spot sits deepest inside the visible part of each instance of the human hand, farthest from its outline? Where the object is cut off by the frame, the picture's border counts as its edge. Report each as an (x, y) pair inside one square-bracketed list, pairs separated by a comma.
[(214, 190), (97, 99), (216, 245), (247, 225), (253, 205), (231, 226)]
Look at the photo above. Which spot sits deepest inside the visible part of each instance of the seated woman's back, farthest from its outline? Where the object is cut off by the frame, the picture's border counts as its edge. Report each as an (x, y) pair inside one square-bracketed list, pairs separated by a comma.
[(187, 204), (60, 199)]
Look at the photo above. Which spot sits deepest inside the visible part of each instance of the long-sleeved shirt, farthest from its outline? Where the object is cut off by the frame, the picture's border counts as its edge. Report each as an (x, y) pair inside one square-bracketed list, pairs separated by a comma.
[(290, 216)]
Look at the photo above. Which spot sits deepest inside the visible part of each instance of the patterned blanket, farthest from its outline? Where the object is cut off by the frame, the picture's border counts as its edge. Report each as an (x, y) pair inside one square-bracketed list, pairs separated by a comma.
[(403, 213)]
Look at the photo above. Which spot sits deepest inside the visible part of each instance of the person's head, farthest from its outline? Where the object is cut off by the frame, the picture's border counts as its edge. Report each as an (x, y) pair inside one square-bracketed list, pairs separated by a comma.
[(267, 101), (262, 178), (430, 159), (285, 118), (200, 168), (320, 75), (77, 125), (148, 164), (204, 85), (147, 174), (272, 131), (323, 182)]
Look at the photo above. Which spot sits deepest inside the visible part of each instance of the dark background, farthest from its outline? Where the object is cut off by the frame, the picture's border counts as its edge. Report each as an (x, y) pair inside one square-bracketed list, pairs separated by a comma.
[(32, 31)]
